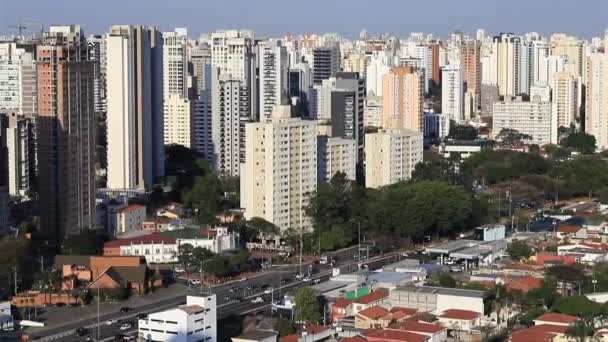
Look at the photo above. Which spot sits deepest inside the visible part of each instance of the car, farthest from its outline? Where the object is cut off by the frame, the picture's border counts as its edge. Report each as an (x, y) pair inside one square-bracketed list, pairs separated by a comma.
[(80, 331), (242, 279), (125, 326), (112, 321), (125, 309), (268, 290), (306, 279), (90, 339), (195, 282), (299, 276), (129, 338), (257, 300), (316, 281), (179, 270), (285, 280), (141, 316), (232, 290)]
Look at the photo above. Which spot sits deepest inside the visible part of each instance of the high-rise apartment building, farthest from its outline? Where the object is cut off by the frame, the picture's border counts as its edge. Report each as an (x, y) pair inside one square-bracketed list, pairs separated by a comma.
[(280, 169), (564, 99), (97, 53), (325, 63), (66, 133), (4, 211), (300, 84), (202, 141), (356, 62), (336, 154), (200, 59), (230, 111), (435, 70), (378, 66), (18, 133), (403, 99), (391, 155), (273, 76), (533, 118), (177, 120), (135, 107), (452, 92), (573, 51), (596, 104), (506, 52), (18, 88), (347, 108), (470, 63)]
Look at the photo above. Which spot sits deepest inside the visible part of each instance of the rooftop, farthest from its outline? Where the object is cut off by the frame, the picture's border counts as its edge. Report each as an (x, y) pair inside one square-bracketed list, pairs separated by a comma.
[(375, 296), (443, 291), (191, 309), (417, 327), (131, 207), (556, 317), (374, 312), (460, 314), (154, 238), (453, 246), (342, 303), (257, 335), (395, 335)]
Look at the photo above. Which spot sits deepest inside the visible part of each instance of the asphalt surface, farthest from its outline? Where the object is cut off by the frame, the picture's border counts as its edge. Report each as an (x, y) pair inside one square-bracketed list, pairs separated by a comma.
[(235, 301)]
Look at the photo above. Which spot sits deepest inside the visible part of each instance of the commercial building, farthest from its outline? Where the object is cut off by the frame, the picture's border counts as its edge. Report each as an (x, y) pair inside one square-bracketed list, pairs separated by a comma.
[(300, 84), (347, 106), (452, 93), (436, 125), (273, 76), (280, 169), (526, 117), (65, 132), (437, 299), (325, 63), (596, 111), (490, 232), (194, 321), (391, 155), (135, 107), (402, 100), (335, 154)]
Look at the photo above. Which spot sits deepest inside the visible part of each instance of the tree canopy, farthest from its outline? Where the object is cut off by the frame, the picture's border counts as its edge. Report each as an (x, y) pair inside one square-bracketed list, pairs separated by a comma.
[(462, 132), (307, 307), (580, 141), (519, 250)]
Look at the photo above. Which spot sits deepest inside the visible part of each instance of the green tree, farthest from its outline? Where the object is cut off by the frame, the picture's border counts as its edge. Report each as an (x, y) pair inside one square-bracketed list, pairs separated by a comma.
[(331, 204), (534, 148), (185, 255), (205, 198), (89, 242), (216, 265), (462, 132), (519, 250), (581, 142), (307, 307), (284, 326), (260, 228), (582, 175), (512, 137), (446, 280)]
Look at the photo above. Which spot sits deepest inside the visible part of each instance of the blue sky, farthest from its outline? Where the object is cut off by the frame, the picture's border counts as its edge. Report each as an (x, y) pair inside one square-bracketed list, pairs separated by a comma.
[(586, 18)]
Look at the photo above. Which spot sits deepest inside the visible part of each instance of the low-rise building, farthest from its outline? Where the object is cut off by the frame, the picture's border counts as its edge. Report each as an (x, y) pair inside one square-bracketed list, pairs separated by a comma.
[(194, 321), (460, 320), (257, 336), (130, 218), (464, 148), (437, 299), (6, 317), (390, 335), (435, 332), (555, 318), (369, 300)]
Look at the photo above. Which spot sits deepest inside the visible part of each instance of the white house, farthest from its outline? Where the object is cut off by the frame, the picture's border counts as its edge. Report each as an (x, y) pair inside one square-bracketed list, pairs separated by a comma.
[(195, 321)]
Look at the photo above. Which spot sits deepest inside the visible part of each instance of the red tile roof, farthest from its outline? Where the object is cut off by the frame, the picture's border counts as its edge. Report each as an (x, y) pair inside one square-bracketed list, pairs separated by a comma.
[(428, 328), (528, 335), (394, 335), (372, 297), (460, 314), (374, 312), (290, 338), (409, 311), (556, 317), (550, 328), (569, 229), (342, 303), (154, 238), (353, 339), (523, 284), (315, 328), (131, 208)]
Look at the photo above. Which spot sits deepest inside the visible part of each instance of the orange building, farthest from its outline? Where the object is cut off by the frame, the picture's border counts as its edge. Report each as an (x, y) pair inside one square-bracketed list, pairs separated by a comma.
[(402, 100)]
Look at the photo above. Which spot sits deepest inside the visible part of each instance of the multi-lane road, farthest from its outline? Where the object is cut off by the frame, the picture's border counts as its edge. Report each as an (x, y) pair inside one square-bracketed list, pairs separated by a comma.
[(232, 298)]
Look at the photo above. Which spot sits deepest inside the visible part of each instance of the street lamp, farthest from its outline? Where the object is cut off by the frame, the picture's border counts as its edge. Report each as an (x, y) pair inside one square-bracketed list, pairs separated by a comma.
[(201, 273)]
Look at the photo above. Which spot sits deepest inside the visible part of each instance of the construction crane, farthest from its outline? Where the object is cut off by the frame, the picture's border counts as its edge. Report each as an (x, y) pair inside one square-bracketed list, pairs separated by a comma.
[(21, 27)]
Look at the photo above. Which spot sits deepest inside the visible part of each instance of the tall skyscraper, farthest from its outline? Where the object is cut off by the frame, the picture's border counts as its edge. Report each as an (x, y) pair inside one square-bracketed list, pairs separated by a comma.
[(300, 83), (177, 120), (230, 110), (506, 52), (66, 133), (435, 71), (378, 66), (18, 89), (596, 111), (273, 76), (4, 192), (18, 135), (280, 169), (347, 109), (325, 62), (135, 107), (391, 155), (452, 92), (200, 58), (403, 99), (471, 68), (573, 51)]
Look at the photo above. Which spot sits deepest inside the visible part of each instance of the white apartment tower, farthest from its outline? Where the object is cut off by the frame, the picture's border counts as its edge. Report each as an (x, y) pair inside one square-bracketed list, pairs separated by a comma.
[(229, 111), (273, 76), (17, 80), (176, 105), (506, 52), (391, 155), (596, 112), (452, 92), (18, 132), (533, 118), (280, 169), (135, 103), (336, 154)]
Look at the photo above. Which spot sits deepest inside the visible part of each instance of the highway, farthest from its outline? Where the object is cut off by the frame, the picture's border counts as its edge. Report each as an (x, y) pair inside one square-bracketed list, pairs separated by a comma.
[(280, 279)]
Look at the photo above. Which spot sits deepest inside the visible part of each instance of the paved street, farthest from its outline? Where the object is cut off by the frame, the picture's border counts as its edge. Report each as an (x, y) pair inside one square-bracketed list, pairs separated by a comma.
[(237, 302)]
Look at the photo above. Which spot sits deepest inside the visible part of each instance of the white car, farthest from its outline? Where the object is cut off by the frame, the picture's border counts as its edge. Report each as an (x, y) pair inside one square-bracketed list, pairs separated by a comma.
[(306, 279), (195, 282), (268, 290), (128, 338), (179, 270), (242, 279), (257, 300), (125, 326), (112, 321)]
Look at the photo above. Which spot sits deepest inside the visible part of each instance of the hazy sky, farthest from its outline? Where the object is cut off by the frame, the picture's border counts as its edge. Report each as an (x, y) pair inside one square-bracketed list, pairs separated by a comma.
[(586, 18)]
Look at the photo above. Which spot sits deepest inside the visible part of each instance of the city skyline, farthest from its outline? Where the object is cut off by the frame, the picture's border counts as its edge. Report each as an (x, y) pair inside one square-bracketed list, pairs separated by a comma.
[(274, 18)]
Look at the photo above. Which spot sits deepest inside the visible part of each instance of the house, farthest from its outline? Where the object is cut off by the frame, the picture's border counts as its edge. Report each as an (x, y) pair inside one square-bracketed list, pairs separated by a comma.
[(523, 284), (435, 332), (542, 333), (369, 300), (460, 320), (157, 224), (130, 218), (341, 308), (545, 258), (437, 299), (583, 253), (555, 318), (570, 232), (257, 336), (311, 333), (134, 279), (155, 247), (390, 335), (171, 211), (371, 318)]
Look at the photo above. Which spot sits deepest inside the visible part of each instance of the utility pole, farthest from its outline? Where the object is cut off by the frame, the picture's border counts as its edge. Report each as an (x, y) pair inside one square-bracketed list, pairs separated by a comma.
[(15, 280), (98, 300), (41, 263), (300, 251), (359, 247)]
